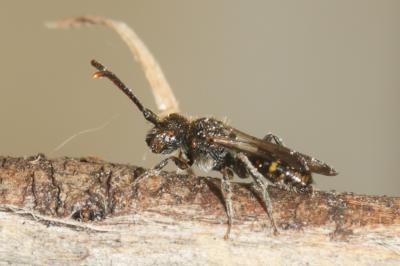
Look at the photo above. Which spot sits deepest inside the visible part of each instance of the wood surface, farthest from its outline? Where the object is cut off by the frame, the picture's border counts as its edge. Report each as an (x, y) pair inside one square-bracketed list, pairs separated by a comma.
[(85, 211)]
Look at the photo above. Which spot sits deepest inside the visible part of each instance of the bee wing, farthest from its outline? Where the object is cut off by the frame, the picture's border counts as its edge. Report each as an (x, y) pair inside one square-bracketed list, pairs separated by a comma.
[(242, 142)]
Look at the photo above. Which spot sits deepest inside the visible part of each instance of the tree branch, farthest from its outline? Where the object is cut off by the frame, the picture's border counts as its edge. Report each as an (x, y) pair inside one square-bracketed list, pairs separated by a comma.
[(86, 210)]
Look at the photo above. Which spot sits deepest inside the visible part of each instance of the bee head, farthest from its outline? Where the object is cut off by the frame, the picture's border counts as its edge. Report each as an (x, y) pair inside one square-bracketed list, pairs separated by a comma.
[(168, 134)]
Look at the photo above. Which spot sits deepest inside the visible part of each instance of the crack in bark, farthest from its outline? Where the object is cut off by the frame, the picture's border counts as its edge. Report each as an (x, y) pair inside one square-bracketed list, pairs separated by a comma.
[(102, 196), (110, 200), (51, 173), (33, 189)]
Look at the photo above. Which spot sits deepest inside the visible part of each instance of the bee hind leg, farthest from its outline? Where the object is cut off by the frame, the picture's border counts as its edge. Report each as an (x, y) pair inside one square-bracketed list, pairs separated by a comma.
[(274, 139), (261, 185), (277, 140)]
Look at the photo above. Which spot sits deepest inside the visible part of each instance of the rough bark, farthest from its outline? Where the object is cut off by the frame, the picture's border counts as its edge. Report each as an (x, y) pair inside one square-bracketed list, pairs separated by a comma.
[(85, 211)]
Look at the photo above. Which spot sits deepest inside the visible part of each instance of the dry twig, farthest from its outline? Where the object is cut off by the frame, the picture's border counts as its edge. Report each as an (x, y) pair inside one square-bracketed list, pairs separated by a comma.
[(163, 94)]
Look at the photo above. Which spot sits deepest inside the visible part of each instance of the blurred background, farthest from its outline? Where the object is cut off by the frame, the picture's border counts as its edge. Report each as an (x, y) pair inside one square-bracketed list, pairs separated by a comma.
[(323, 75)]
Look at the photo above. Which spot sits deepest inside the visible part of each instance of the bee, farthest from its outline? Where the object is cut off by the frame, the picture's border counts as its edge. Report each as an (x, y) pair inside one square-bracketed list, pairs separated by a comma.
[(212, 145)]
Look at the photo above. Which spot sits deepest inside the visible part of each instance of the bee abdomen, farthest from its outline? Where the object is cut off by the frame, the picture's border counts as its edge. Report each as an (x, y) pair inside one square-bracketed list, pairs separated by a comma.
[(278, 173)]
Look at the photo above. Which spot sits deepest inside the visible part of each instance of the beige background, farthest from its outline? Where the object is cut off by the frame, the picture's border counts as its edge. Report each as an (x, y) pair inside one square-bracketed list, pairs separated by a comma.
[(324, 75)]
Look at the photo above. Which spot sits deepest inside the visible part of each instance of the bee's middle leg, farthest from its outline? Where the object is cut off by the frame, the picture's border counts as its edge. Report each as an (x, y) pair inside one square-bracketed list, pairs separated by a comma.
[(226, 190)]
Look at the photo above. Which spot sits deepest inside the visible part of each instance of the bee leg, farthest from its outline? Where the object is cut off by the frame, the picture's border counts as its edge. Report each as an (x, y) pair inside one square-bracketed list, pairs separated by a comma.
[(188, 164), (179, 162), (227, 194), (261, 184), (274, 139)]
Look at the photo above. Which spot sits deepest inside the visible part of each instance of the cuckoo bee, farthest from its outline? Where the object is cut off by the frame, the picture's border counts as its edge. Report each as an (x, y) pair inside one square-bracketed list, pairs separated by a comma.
[(212, 145)]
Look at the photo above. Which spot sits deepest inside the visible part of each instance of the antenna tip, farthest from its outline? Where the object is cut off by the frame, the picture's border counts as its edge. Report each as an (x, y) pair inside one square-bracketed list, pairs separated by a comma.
[(98, 74), (101, 69)]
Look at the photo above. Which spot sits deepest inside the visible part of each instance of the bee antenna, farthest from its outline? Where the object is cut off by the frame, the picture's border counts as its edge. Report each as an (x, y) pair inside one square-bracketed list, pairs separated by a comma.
[(103, 72)]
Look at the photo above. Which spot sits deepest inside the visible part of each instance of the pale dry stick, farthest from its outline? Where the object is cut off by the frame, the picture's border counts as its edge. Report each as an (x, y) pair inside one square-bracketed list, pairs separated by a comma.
[(165, 100)]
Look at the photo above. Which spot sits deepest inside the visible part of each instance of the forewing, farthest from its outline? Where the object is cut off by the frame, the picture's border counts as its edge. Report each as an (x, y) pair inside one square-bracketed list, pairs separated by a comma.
[(242, 142)]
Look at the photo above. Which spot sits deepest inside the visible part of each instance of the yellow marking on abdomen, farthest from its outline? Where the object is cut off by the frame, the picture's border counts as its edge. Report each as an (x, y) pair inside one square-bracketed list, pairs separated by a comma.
[(272, 167)]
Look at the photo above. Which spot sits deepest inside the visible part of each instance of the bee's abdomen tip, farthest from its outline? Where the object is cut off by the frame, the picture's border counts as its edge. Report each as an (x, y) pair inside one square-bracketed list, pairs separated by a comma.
[(333, 172)]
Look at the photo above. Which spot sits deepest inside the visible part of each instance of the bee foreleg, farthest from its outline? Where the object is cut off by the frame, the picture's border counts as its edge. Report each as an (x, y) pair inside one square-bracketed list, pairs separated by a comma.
[(227, 194), (261, 185), (179, 162)]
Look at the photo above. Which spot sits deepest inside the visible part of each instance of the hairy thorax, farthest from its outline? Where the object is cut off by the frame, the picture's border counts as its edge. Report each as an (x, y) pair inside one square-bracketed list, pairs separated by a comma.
[(204, 154)]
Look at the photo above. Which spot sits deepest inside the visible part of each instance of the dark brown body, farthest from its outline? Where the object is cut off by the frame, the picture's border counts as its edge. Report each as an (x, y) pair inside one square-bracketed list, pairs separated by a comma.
[(208, 155)]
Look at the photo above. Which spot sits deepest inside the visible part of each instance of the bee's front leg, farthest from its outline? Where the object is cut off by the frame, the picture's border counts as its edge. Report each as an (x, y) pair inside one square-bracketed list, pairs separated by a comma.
[(179, 162)]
